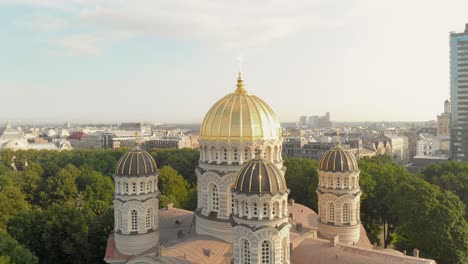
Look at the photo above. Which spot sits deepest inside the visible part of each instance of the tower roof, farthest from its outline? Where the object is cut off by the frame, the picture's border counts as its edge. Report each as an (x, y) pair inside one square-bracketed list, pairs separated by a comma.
[(240, 116), (259, 176), (135, 163), (338, 159)]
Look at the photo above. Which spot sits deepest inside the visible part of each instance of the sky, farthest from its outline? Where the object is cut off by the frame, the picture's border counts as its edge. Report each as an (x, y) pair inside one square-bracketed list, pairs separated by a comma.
[(170, 61)]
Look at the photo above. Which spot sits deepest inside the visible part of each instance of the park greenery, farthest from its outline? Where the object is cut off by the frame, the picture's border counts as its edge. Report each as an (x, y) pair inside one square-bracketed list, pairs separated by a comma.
[(58, 208)]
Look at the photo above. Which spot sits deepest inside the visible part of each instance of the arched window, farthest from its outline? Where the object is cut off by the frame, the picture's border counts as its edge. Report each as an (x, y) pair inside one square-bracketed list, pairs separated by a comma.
[(266, 256), (245, 251), (232, 199), (331, 182), (117, 185), (246, 154), (214, 154), (331, 212), (284, 208), (257, 151), (214, 198), (345, 218), (133, 187), (268, 153), (284, 251), (205, 153), (225, 154), (134, 216), (275, 209), (119, 219), (265, 210), (236, 158), (353, 182), (346, 182), (255, 209), (126, 188), (142, 187), (149, 217), (148, 187), (246, 209), (276, 154), (338, 183)]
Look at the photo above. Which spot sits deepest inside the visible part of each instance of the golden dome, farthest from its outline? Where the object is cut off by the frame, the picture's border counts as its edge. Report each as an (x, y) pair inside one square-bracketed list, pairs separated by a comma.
[(338, 159), (240, 116)]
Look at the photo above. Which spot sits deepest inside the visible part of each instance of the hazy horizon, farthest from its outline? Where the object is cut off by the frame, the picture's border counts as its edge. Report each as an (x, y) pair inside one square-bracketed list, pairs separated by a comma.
[(169, 62)]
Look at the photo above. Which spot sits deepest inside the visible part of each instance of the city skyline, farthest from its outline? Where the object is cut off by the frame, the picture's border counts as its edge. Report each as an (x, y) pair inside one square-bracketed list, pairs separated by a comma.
[(102, 61)]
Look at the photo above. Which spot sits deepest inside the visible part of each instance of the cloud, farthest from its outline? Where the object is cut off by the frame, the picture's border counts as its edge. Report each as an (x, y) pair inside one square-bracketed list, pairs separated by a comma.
[(43, 23), (232, 23), (79, 44)]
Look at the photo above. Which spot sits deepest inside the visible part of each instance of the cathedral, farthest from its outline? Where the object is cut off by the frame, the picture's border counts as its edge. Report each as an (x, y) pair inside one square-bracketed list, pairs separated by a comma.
[(243, 213)]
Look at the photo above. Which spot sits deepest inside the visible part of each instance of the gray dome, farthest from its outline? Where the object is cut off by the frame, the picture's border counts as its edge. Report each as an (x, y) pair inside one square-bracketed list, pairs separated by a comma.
[(259, 176), (135, 163), (338, 159)]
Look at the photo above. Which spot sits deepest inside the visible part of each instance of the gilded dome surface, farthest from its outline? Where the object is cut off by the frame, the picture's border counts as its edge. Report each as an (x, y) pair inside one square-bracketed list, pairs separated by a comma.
[(135, 163), (259, 176), (240, 116), (338, 159)]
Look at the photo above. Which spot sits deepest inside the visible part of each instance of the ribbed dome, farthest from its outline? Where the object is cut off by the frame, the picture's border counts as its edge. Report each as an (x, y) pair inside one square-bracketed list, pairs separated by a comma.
[(338, 159), (136, 162), (259, 176), (240, 116)]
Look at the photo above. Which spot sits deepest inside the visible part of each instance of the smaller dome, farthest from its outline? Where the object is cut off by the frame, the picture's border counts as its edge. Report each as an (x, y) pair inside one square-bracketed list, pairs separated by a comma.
[(259, 176), (135, 163), (338, 159)]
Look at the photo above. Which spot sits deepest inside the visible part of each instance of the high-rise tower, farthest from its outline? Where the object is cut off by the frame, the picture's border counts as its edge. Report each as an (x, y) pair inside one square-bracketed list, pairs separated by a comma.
[(339, 195), (260, 217), (237, 128), (459, 95)]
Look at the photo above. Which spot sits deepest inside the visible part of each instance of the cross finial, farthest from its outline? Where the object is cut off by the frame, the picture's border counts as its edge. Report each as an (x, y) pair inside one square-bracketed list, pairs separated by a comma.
[(239, 64), (137, 139)]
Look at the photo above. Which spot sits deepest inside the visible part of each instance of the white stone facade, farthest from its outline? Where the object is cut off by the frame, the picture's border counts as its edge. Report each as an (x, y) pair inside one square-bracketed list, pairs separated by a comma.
[(339, 205), (136, 210), (218, 166), (261, 229)]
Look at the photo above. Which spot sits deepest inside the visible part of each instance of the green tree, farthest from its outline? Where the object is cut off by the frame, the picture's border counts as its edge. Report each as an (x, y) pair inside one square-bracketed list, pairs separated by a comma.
[(13, 252), (60, 188), (302, 179), (431, 220), (12, 200), (182, 160), (173, 188)]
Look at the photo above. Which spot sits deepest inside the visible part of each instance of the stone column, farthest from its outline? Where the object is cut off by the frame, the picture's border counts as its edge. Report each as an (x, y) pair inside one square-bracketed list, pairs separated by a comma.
[(260, 211)]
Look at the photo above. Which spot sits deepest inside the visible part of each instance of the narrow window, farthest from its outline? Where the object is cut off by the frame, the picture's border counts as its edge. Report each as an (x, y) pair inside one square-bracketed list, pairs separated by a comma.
[(142, 187), (149, 216), (214, 198), (331, 212), (134, 220), (266, 252), (134, 187), (245, 251), (345, 213)]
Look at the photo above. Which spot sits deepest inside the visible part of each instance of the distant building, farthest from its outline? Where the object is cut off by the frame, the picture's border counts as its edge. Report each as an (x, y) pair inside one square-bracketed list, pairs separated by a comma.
[(433, 146), (324, 121), (315, 121), (459, 94), (421, 162), (171, 142), (303, 121), (443, 121)]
